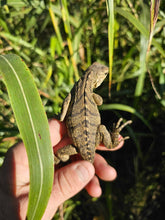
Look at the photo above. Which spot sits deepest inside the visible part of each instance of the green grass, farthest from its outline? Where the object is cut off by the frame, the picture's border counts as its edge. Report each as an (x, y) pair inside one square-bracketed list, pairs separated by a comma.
[(60, 39)]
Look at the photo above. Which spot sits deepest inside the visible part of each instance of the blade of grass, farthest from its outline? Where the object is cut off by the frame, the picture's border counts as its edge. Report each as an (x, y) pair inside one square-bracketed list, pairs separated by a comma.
[(143, 51), (16, 3), (60, 48), (21, 42), (56, 28), (125, 108), (154, 9), (33, 125), (139, 27), (65, 17), (110, 12), (72, 19), (4, 25)]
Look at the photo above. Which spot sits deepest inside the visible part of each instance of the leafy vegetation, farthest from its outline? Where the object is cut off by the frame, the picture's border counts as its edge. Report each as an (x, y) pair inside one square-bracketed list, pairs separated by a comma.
[(59, 39)]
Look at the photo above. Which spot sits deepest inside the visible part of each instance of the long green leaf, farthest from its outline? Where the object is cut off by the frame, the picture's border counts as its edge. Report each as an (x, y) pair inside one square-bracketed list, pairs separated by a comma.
[(21, 42), (154, 9), (126, 108), (34, 130), (144, 18), (110, 9), (65, 18), (139, 27)]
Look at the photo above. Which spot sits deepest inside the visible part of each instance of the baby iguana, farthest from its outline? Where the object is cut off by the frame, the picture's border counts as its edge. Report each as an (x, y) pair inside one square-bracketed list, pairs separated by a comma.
[(82, 117)]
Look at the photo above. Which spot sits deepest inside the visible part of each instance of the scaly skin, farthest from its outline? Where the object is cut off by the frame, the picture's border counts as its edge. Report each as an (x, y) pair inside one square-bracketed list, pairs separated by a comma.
[(82, 117)]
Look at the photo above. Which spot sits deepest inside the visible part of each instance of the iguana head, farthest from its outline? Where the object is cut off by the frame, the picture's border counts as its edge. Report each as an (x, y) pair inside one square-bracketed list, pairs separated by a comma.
[(97, 73)]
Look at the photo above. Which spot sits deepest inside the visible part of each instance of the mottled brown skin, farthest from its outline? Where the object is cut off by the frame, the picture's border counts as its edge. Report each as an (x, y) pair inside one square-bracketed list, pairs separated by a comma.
[(82, 117)]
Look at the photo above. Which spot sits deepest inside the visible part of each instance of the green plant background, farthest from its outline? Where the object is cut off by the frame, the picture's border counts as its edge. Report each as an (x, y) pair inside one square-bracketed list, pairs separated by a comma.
[(59, 39)]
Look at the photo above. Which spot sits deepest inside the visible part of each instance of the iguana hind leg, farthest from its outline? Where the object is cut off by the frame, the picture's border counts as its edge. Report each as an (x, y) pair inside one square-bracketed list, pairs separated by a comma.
[(103, 136), (111, 139)]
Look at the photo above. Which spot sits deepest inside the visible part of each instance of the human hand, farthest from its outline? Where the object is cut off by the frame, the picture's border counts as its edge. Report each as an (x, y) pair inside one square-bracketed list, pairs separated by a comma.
[(68, 180)]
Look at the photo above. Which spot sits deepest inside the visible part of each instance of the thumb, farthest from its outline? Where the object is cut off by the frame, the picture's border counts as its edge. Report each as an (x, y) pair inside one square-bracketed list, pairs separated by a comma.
[(68, 181)]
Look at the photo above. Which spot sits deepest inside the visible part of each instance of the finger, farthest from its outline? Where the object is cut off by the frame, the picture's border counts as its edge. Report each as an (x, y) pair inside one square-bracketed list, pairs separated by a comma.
[(58, 134), (103, 170), (120, 145), (57, 130), (93, 187), (18, 151), (68, 181), (65, 141)]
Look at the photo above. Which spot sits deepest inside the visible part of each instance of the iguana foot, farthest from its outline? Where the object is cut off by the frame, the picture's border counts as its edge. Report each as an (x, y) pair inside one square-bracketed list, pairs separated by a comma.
[(116, 131)]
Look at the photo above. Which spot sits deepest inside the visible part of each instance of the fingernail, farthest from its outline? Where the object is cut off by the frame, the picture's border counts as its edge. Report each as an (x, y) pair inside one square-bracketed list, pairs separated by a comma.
[(82, 172)]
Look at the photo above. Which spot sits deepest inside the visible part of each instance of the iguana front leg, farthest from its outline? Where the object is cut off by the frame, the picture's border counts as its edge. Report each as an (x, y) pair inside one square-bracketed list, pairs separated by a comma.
[(64, 153), (98, 99), (65, 107)]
